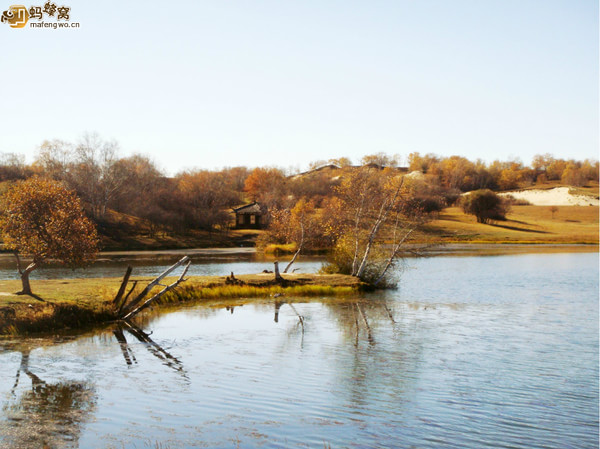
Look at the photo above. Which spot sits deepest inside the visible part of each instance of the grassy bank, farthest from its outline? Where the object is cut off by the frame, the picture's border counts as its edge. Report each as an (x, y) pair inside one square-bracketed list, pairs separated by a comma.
[(77, 303), (524, 224)]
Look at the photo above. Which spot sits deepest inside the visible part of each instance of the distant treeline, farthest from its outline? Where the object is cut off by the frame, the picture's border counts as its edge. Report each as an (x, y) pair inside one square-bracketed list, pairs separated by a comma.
[(202, 199)]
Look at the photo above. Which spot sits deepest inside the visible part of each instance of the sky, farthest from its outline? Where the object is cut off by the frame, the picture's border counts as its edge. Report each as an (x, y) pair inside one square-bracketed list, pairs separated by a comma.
[(210, 84)]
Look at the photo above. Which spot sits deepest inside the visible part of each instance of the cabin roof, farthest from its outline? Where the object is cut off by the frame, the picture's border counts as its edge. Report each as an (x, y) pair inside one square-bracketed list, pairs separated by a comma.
[(252, 208)]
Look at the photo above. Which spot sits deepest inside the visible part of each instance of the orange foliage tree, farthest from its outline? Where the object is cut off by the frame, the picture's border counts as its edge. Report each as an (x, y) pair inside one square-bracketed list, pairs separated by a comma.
[(43, 220), (266, 185)]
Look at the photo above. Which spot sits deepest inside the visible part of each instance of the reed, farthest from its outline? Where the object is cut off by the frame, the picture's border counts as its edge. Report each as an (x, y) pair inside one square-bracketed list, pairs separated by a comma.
[(193, 292)]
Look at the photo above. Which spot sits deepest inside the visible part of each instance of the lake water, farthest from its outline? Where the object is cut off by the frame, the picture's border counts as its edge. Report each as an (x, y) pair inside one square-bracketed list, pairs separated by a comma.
[(144, 265), (470, 352)]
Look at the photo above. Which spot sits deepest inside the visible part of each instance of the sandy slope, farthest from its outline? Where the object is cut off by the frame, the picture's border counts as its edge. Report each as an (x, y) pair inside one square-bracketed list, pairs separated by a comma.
[(559, 196)]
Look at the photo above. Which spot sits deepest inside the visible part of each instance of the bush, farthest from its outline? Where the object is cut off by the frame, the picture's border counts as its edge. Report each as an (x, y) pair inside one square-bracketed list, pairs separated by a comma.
[(423, 204), (485, 205), (511, 200), (339, 261)]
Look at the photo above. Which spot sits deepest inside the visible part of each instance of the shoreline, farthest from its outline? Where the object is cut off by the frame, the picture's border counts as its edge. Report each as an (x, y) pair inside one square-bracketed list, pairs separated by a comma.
[(76, 303), (81, 303), (508, 248), (440, 249)]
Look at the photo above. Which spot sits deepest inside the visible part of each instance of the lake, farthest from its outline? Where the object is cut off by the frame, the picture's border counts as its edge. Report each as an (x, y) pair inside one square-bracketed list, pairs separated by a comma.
[(469, 352)]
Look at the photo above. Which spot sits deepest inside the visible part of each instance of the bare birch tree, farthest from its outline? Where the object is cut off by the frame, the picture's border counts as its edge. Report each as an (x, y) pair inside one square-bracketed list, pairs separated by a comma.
[(377, 223)]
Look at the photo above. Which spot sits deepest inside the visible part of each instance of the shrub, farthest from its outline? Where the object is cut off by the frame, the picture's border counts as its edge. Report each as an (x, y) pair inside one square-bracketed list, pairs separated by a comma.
[(485, 205), (512, 201)]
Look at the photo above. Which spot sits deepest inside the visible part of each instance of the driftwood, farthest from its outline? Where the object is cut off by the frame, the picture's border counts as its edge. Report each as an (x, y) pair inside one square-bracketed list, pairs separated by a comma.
[(124, 301), (128, 310), (124, 282)]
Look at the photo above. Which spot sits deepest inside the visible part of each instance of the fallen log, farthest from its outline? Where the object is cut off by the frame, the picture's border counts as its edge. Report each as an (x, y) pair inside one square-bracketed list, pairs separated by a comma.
[(167, 288), (117, 302), (127, 309)]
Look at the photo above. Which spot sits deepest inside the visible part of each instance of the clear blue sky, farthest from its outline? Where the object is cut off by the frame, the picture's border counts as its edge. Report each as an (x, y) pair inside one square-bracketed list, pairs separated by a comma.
[(219, 83)]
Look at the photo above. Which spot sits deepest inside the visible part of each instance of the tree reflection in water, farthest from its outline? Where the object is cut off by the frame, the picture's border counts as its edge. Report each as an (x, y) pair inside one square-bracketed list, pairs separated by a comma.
[(153, 348), (382, 356), (48, 415)]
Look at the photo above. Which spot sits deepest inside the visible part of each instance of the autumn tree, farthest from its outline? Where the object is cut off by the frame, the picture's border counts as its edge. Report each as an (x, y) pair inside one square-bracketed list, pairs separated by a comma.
[(12, 167), (43, 220), (590, 169), (457, 172), (380, 160), (96, 173), (485, 205), (555, 169), (541, 162), (235, 178), (206, 197), (54, 158), (341, 161), (138, 192), (266, 185), (573, 175), (91, 167), (300, 225), (315, 185), (424, 164), (376, 224)]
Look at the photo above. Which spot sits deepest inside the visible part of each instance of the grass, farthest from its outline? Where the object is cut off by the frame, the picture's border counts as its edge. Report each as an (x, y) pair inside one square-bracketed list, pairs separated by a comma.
[(524, 224), (191, 292), (279, 249), (80, 303), (71, 303)]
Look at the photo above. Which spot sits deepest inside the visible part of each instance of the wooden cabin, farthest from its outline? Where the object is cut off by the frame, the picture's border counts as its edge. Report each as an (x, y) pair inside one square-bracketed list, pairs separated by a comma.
[(250, 216)]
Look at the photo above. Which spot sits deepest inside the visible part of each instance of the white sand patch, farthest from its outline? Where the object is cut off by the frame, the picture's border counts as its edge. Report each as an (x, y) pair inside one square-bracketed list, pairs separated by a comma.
[(417, 174), (559, 196)]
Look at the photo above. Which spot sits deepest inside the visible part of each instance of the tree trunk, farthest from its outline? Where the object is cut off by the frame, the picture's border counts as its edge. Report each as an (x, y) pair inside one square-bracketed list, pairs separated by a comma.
[(25, 282), (289, 265), (386, 206), (25, 279), (25, 276), (278, 277), (390, 261)]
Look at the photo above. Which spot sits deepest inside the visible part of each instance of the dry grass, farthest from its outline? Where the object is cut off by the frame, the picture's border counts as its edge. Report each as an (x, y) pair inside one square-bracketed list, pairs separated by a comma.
[(76, 303), (192, 292), (278, 249), (524, 224)]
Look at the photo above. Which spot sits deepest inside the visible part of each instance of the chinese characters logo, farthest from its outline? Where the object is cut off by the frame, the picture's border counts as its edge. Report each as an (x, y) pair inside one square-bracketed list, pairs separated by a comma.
[(17, 16)]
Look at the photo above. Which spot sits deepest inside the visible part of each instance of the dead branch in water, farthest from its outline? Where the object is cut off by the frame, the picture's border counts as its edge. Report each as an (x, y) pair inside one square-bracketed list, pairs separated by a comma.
[(128, 310)]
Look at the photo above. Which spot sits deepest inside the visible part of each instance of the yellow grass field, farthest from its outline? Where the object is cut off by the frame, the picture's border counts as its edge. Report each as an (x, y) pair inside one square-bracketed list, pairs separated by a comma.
[(524, 224)]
